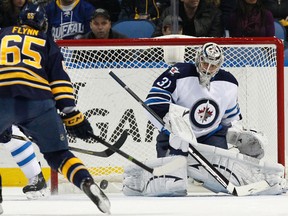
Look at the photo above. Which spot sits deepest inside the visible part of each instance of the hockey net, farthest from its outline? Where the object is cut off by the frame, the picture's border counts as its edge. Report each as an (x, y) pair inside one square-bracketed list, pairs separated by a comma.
[(256, 63)]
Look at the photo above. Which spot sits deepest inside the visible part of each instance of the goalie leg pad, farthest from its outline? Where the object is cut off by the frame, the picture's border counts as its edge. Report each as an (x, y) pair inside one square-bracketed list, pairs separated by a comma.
[(138, 182), (239, 169)]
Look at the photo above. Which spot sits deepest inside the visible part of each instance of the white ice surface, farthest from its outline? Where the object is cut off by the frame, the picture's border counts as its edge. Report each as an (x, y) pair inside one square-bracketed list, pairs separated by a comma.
[(201, 204)]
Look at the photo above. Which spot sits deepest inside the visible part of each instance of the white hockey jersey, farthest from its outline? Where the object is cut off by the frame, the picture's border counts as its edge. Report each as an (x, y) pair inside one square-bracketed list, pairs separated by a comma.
[(209, 108)]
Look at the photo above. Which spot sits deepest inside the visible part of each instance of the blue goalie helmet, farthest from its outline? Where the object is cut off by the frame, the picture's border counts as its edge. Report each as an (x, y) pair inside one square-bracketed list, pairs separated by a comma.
[(34, 16)]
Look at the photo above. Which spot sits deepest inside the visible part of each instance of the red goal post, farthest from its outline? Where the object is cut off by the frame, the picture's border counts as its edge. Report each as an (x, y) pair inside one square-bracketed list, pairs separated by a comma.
[(257, 63)]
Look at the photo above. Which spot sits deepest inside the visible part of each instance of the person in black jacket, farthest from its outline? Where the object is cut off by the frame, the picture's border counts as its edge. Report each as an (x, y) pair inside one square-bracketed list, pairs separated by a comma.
[(200, 19), (9, 12), (100, 25)]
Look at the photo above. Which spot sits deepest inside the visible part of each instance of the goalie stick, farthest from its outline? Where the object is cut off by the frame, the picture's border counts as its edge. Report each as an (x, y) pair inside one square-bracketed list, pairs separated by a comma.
[(157, 171), (162, 170), (106, 153), (244, 190)]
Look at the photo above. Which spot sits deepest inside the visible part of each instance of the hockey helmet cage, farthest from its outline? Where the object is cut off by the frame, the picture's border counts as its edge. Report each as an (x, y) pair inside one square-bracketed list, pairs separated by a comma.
[(208, 61)]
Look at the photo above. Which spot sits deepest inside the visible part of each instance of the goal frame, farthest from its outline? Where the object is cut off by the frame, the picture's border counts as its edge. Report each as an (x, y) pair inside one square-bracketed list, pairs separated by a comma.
[(196, 41)]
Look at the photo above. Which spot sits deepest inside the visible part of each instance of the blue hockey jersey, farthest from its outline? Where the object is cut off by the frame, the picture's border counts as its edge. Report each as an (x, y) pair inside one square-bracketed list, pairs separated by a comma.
[(32, 66), (209, 108), (71, 22)]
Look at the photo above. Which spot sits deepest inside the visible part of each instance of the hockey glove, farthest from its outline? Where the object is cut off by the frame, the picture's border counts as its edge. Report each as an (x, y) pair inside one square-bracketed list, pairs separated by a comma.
[(77, 125), (6, 136)]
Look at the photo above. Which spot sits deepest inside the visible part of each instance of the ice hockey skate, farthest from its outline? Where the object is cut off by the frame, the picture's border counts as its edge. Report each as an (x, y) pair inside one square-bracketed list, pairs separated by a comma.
[(96, 195), (37, 187)]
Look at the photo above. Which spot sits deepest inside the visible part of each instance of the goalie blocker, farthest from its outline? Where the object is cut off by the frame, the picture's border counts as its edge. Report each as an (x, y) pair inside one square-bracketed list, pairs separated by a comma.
[(236, 167)]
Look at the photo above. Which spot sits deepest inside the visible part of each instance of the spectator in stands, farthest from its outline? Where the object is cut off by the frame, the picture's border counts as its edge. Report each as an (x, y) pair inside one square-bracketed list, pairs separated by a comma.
[(279, 9), (68, 19), (112, 6), (200, 19), (226, 7), (143, 9), (9, 12), (167, 25), (100, 25), (251, 19)]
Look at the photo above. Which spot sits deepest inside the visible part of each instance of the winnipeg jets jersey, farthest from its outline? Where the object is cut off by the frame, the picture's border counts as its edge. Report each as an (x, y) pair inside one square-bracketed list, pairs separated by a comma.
[(71, 22), (209, 108)]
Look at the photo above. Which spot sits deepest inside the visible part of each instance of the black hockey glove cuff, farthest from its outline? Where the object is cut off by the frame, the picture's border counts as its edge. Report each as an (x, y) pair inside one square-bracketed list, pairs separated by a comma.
[(77, 125)]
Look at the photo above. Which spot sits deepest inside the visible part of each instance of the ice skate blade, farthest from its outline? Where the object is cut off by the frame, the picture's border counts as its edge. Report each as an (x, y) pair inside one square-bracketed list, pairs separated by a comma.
[(103, 202)]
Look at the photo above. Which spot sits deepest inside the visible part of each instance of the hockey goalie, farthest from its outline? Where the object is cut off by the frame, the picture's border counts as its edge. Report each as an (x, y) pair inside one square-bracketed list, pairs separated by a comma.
[(199, 105)]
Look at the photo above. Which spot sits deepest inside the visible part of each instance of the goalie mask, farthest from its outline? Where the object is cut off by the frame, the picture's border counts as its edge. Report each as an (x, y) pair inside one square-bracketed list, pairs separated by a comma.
[(208, 61), (34, 16)]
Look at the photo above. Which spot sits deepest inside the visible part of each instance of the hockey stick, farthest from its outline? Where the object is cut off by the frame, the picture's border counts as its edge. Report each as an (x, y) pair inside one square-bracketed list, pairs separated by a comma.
[(158, 171), (231, 188), (106, 153)]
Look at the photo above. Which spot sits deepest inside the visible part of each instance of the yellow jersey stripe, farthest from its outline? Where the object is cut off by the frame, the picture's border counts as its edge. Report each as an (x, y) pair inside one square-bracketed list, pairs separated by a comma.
[(64, 96), (26, 83), (62, 89), (8, 69), (68, 164), (21, 75)]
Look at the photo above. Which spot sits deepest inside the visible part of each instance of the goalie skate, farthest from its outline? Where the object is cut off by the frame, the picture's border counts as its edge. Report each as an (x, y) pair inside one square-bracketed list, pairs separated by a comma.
[(96, 195), (37, 187)]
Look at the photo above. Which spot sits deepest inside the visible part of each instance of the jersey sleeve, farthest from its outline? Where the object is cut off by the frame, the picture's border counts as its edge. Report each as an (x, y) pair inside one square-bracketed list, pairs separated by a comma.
[(232, 112), (160, 95), (59, 80)]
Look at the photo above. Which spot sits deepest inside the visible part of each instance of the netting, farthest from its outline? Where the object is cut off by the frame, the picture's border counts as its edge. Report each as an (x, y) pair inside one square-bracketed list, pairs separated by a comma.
[(111, 110)]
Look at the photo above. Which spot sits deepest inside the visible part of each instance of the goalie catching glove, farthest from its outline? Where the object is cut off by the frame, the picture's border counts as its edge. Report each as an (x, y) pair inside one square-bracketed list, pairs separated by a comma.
[(76, 124), (248, 142)]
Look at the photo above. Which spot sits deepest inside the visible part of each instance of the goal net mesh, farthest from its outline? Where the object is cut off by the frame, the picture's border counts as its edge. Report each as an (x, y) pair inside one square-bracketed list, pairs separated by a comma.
[(111, 110)]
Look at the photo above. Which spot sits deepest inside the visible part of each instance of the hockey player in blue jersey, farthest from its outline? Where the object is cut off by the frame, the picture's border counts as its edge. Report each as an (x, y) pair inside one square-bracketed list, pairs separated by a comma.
[(33, 88), (69, 19), (202, 99)]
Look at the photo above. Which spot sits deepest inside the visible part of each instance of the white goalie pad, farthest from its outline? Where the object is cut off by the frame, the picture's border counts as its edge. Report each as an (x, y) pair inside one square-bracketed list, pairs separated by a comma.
[(249, 142), (238, 168), (139, 182)]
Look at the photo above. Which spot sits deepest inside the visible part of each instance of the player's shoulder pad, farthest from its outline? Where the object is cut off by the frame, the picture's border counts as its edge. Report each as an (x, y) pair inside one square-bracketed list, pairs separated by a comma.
[(182, 70), (223, 75)]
